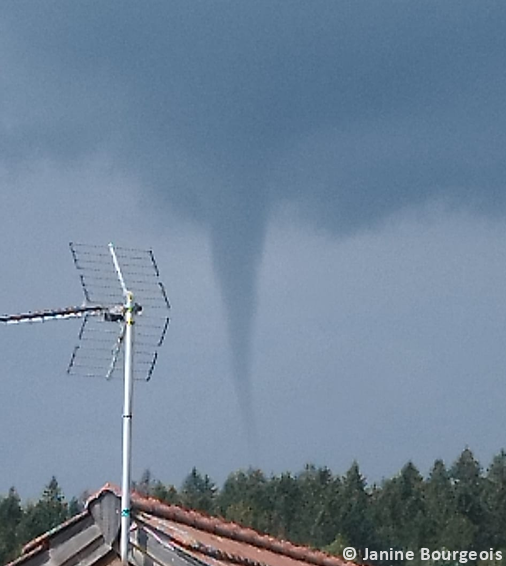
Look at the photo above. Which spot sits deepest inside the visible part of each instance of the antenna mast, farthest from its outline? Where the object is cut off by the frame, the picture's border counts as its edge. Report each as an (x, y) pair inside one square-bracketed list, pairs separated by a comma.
[(106, 301), (126, 475)]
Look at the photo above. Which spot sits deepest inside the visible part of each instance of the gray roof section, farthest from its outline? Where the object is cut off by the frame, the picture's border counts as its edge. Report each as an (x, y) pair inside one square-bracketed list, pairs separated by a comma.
[(90, 539)]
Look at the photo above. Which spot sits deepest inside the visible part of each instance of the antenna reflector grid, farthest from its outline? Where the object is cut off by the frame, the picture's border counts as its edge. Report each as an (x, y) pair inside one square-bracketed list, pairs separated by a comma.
[(105, 277)]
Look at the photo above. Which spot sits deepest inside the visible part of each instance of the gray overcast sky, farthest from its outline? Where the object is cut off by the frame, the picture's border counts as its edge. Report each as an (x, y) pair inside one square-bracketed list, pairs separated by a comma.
[(323, 186)]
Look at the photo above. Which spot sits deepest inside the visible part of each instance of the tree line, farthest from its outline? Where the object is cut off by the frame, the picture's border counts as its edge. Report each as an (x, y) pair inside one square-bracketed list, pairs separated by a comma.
[(21, 523), (461, 507)]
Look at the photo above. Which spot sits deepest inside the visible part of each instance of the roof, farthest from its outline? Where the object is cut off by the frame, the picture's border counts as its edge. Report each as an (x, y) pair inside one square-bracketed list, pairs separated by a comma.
[(162, 535)]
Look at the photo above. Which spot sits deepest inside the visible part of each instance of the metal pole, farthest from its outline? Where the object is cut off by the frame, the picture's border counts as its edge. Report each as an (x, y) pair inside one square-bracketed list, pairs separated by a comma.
[(127, 428)]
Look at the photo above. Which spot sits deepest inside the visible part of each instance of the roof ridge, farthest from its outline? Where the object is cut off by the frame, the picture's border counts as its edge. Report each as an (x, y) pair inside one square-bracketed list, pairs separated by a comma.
[(226, 529)]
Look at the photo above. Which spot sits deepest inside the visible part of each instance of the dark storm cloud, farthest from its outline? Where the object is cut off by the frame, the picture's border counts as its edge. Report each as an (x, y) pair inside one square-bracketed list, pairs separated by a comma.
[(350, 111)]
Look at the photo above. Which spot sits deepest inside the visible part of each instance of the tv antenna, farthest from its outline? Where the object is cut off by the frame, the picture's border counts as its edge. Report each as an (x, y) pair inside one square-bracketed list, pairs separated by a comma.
[(110, 312)]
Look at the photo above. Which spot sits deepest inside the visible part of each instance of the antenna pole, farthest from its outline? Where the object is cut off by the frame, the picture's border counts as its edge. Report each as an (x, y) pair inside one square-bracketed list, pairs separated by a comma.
[(127, 428)]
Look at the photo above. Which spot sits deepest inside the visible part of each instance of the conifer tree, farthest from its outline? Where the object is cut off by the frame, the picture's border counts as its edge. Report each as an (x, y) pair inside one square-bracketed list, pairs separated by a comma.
[(245, 499), (166, 493), (11, 514), (495, 499), (468, 485), (286, 501), (199, 492), (399, 511), (354, 514), (441, 506), (48, 512)]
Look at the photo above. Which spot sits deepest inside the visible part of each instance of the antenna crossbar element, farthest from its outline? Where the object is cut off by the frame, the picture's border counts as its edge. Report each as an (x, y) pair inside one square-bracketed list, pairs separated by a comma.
[(55, 314)]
